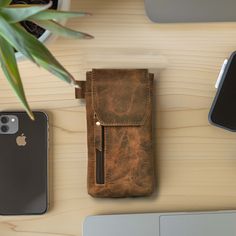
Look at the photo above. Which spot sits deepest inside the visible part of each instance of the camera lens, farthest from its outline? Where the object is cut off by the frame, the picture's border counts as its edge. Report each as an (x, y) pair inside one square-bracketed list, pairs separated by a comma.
[(4, 128), (4, 119)]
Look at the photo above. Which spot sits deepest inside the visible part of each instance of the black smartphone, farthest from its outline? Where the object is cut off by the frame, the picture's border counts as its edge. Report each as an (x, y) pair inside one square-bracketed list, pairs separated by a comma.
[(223, 110), (23, 163)]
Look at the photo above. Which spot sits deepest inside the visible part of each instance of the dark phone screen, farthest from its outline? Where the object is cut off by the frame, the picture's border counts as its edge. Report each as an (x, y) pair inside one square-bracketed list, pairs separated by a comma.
[(224, 107)]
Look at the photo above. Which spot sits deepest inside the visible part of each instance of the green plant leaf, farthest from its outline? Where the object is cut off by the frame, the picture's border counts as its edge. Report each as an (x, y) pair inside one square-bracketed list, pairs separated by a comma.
[(58, 29), (58, 15), (4, 3), (21, 5), (14, 38), (10, 69), (13, 15), (42, 55)]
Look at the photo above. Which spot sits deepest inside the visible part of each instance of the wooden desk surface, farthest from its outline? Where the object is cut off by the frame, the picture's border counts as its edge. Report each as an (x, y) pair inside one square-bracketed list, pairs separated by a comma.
[(195, 162)]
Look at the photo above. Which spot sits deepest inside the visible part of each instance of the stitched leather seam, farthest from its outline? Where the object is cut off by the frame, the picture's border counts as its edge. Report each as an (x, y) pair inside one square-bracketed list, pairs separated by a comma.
[(94, 144), (93, 159)]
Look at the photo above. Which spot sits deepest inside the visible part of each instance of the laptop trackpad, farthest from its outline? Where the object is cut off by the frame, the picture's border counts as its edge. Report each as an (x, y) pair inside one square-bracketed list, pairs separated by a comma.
[(198, 225)]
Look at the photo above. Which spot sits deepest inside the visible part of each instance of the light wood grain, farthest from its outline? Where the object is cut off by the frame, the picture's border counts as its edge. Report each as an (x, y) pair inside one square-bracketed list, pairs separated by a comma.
[(195, 163)]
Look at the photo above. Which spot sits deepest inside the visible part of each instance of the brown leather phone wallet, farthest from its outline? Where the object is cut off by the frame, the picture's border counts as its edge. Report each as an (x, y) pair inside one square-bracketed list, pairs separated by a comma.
[(119, 126)]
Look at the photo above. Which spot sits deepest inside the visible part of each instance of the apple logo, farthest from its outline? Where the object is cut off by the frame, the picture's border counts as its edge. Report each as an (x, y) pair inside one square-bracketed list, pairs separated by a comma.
[(20, 140)]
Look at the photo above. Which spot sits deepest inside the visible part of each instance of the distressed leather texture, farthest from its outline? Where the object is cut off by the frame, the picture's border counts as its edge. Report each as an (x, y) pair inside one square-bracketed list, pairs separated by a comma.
[(119, 124)]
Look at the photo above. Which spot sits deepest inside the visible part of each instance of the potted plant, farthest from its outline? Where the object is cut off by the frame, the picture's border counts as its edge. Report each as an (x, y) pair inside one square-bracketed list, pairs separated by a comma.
[(40, 33), (17, 19)]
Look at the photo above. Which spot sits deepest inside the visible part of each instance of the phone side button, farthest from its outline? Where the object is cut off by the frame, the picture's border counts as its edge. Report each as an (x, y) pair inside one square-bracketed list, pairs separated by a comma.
[(221, 73)]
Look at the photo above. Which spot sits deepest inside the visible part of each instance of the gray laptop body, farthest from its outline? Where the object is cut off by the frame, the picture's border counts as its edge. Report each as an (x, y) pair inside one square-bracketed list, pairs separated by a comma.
[(169, 11), (167, 224)]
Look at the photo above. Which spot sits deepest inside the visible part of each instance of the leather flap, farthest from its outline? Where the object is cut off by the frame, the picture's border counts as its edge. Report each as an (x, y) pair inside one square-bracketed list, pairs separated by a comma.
[(121, 97)]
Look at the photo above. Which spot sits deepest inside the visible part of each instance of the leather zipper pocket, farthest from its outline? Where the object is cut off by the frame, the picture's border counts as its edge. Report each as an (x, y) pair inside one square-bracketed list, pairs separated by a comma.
[(100, 161)]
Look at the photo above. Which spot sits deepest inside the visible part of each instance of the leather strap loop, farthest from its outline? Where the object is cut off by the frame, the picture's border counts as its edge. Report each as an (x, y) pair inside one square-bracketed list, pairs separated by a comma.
[(80, 92)]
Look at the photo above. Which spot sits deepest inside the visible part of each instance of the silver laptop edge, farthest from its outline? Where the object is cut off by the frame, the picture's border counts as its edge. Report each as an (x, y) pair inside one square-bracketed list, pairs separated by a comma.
[(172, 11), (220, 223)]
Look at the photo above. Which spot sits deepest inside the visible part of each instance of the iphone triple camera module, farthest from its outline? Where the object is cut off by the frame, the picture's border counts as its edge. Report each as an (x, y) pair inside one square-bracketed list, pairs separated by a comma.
[(9, 124)]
